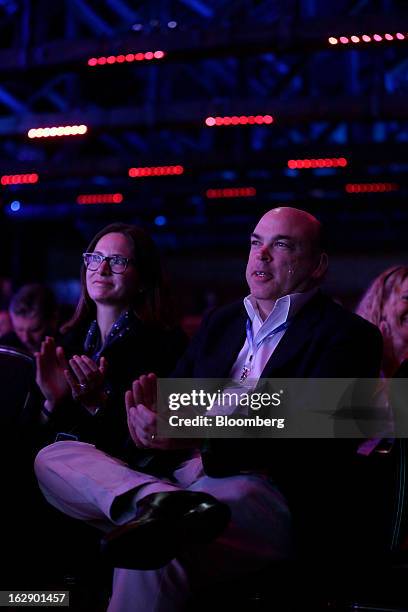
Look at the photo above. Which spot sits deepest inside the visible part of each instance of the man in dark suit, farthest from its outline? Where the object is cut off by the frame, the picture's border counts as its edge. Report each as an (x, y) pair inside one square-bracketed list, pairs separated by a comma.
[(285, 328)]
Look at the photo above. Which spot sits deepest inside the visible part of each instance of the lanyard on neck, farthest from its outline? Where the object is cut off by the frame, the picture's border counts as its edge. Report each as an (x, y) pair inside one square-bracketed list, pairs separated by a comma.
[(253, 347)]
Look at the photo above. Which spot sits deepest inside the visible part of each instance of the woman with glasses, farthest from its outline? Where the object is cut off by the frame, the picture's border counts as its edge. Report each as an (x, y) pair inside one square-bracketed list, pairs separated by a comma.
[(122, 328)]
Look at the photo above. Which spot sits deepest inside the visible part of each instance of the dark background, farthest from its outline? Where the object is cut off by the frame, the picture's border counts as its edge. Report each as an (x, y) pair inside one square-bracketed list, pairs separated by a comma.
[(223, 58)]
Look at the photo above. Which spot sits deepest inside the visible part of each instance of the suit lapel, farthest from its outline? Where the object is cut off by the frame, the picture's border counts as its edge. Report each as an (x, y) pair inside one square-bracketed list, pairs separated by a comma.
[(230, 344), (296, 337)]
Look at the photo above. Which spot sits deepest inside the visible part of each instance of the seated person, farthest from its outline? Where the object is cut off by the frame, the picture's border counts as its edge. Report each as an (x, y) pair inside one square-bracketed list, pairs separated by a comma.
[(385, 304), (168, 537), (33, 313), (123, 327)]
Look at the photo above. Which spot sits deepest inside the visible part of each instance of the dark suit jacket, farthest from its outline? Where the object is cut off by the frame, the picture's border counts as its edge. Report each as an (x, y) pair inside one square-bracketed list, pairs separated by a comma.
[(323, 341)]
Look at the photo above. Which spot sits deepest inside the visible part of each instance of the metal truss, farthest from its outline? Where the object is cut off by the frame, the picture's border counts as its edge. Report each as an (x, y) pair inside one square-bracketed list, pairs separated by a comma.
[(224, 57)]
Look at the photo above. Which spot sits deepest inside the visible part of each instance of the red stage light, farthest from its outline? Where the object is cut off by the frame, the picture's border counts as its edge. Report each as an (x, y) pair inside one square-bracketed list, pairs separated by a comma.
[(241, 120), (62, 130), (128, 57), (155, 171), (329, 162), (19, 179), (100, 198), (371, 187), (231, 192), (332, 40)]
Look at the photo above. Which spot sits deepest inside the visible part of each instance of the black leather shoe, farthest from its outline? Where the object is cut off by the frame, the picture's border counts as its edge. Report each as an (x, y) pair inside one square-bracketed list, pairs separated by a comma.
[(167, 525)]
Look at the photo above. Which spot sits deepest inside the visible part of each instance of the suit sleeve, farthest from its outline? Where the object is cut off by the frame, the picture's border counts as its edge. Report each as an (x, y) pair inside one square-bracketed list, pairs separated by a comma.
[(355, 352)]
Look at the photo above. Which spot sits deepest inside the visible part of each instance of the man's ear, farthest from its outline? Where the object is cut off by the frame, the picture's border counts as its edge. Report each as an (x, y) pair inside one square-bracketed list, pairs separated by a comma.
[(321, 267)]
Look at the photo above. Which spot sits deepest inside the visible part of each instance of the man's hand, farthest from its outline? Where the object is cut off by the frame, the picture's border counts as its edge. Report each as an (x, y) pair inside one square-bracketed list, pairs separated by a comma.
[(50, 365), (86, 380), (141, 406)]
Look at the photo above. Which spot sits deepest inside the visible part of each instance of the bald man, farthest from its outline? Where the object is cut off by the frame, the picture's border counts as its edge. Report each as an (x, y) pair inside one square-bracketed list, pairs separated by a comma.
[(284, 328)]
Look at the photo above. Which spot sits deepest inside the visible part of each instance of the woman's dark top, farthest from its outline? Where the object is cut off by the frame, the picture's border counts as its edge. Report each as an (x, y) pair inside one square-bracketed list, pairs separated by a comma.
[(131, 349)]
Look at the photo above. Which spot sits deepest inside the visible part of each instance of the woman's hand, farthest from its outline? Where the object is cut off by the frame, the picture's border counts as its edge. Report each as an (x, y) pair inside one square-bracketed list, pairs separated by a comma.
[(86, 380), (50, 365)]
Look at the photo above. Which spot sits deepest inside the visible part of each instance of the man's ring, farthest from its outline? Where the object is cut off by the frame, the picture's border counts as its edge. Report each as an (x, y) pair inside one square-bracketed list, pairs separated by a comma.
[(83, 386), (153, 436)]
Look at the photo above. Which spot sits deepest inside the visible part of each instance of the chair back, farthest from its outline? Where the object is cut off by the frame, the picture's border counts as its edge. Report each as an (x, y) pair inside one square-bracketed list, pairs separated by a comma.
[(17, 380)]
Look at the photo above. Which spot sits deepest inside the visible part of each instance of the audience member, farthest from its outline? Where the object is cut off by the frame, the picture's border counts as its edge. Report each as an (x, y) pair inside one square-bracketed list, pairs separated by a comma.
[(123, 327), (284, 328), (385, 304), (33, 313)]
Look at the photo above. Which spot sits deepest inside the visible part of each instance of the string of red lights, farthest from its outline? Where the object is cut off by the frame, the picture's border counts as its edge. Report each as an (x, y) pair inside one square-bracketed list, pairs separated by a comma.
[(155, 171), (371, 187), (125, 58), (61, 130), (328, 162), (19, 179), (239, 120), (231, 192), (100, 198), (366, 38)]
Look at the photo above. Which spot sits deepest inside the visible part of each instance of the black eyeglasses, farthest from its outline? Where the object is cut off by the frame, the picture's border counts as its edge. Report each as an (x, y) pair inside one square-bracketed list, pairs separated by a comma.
[(117, 263)]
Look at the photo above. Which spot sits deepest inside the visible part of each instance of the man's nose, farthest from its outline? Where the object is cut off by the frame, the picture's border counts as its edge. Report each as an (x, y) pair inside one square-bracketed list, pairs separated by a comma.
[(264, 254)]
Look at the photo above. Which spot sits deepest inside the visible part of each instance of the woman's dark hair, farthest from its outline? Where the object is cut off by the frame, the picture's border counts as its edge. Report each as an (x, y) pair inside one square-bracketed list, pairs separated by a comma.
[(151, 299)]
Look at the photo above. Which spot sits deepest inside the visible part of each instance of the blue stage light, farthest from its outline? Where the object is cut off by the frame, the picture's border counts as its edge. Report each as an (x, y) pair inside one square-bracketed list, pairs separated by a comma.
[(160, 220)]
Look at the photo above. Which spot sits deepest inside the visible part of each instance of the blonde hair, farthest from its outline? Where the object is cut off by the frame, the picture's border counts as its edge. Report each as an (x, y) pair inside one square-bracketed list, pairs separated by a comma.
[(373, 304)]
